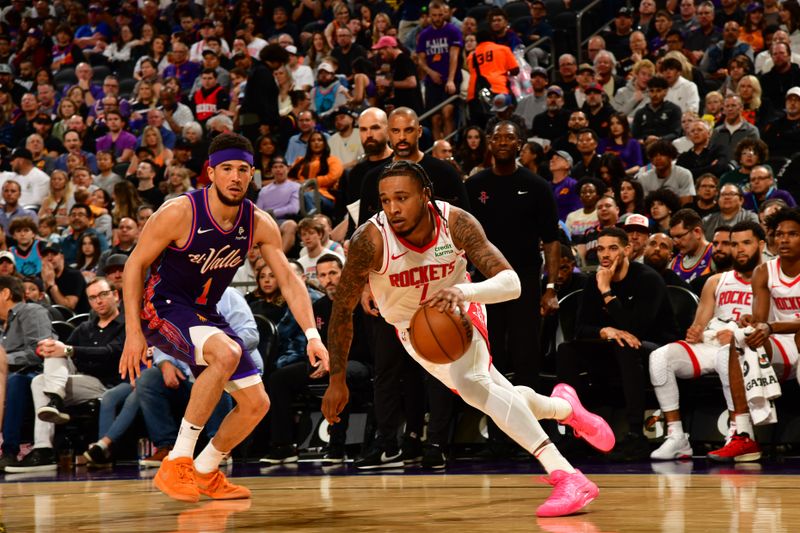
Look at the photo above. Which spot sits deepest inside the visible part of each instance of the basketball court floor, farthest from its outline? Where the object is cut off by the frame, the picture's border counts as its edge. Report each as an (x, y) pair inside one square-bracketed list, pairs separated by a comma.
[(470, 496)]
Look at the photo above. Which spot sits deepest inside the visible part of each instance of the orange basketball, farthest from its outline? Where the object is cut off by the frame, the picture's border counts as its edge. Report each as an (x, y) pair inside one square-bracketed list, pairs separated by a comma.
[(440, 337)]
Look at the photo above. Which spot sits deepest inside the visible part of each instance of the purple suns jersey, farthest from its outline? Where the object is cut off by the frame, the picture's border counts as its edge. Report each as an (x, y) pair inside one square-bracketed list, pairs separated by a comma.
[(197, 274)]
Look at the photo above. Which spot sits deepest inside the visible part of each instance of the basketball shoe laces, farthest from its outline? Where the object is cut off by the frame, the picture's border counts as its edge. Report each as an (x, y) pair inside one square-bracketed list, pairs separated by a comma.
[(185, 473)]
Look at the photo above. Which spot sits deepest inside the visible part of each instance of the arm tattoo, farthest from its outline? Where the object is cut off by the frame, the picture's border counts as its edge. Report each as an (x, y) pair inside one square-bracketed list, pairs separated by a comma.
[(360, 257), (470, 237)]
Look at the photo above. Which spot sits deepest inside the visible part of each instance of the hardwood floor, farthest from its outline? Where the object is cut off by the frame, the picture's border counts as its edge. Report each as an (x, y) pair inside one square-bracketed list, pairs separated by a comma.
[(496, 503)]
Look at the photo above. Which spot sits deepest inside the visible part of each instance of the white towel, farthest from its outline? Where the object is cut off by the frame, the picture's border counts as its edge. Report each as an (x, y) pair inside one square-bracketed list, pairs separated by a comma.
[(715, 325), (760, 382)]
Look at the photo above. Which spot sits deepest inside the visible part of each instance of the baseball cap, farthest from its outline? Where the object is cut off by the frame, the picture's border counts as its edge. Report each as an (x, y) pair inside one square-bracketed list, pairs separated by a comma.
[(625, 12), (24, 153), (292, 49), (7, 255), (385, 42), (209, 52), (35, 32), (344, 110), (115, 261), (584, 67), (755, 6), (793, 91), (95, 7), (207, 23), (539, 71), (43, 118), (327, 67), (5, 68), (500, 103), (555, 89), (52, 247), (637, 222), (565, 156), (594, 87)]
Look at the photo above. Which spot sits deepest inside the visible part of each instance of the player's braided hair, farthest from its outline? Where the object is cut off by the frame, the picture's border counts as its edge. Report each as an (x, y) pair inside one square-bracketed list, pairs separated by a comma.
[(402, 167)]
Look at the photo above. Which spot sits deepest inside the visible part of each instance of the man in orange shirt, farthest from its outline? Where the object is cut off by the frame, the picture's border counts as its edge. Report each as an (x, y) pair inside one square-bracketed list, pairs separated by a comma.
[(494, 62)]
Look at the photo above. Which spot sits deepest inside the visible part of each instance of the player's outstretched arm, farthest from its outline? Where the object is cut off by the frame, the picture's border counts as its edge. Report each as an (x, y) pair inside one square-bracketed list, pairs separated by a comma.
[(501, 284), (365, 254), (168, 224), (268, 237)]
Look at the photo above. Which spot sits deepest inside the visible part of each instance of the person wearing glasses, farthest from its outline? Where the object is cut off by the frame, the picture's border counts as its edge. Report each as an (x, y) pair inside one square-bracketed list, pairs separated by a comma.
[(731, 210), (763, 188), (80, 369)]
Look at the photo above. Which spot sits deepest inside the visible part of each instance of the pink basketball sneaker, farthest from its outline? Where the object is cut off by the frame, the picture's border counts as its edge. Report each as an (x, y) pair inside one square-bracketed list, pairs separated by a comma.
[(571, 492), (590, 426)]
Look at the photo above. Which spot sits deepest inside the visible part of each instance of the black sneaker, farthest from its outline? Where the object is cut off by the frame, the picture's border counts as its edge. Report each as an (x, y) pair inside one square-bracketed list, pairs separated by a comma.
[(53, 412), (334, 455), (39, 460), (411, 450), (97, 456), (379, 456), (281, 455), (6, 460), (433, 457)]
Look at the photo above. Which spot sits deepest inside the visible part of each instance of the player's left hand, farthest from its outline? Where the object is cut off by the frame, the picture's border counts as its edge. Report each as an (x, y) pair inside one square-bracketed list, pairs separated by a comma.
[(448, 299), (549, 303), (318, 354), (319, 372)]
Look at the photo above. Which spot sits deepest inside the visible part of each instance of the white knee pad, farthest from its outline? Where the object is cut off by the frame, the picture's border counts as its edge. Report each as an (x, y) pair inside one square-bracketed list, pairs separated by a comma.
[(659, 366)]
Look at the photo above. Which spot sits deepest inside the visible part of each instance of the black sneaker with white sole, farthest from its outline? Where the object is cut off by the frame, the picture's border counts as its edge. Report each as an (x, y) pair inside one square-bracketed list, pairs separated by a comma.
[(433, 457), (39, 460), (280, 455), (334, 455), (411, 450), (380, 457), (53, 412)]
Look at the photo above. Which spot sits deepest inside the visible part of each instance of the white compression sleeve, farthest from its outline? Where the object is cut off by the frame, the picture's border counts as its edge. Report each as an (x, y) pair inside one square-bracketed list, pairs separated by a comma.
[(501, 287)]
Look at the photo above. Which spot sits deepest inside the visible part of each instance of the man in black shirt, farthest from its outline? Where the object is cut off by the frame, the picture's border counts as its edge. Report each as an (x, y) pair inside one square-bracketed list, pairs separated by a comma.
[(500, 198), (404, 80), (552, 123), (63, 284), (373, 129), (658, 253), (346, 51), (625, 304), (75, 371)]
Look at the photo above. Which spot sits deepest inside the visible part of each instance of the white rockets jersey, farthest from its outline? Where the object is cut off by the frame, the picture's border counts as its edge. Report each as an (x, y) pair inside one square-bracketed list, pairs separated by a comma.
[(411, 275), (784, 293), (733, 297)]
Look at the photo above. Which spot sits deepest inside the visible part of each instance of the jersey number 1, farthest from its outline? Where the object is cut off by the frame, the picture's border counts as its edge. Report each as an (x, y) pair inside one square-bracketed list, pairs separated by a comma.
[(203, 298), (424, 295)]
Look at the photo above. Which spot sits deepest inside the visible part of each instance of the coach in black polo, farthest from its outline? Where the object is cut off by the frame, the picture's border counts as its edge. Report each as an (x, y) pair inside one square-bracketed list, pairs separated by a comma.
[(518, 212)]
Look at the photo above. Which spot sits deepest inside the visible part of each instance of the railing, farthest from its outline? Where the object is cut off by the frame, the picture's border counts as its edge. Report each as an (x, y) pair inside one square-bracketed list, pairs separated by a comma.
[(537, 44), (579, 28)]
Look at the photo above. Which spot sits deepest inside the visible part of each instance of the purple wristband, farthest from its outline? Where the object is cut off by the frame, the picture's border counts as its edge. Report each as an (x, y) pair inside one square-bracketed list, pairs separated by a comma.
[(230, 154)]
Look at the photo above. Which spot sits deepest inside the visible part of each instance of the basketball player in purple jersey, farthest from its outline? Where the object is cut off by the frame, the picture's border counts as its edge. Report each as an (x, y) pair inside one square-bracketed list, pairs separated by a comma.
[(414, 253), (193, 246)]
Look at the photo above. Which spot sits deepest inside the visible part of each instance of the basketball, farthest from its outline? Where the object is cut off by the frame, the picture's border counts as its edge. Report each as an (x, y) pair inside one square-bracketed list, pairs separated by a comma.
[(440, 337)]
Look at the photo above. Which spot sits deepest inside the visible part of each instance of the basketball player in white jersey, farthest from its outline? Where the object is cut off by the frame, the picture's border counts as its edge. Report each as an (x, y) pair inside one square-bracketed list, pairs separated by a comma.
[(776, 320), (415, 253), (726, 298)]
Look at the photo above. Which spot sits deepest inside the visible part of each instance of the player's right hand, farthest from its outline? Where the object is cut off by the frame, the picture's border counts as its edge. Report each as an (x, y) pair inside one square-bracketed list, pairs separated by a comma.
[(134, 355), (368, 302), (694, 334), (335, 399)]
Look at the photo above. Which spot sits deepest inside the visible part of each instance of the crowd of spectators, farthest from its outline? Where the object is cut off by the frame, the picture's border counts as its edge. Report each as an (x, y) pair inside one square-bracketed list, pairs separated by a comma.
[(673, 125)]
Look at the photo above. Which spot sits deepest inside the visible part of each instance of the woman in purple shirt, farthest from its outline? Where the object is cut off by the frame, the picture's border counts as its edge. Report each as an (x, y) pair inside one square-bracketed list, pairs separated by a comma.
[(622, 144)]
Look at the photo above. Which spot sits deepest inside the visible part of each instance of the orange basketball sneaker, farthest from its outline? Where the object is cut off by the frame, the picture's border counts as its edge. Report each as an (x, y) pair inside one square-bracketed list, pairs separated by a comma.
[(215, 485), (176, 479)]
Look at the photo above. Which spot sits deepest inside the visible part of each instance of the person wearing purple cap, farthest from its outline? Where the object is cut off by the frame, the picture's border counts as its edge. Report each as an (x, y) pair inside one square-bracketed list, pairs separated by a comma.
[(403, 81), (439, 54)]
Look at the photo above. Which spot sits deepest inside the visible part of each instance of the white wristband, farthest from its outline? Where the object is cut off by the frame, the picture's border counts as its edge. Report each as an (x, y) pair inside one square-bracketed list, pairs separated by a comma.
[(312, 333), (550, 286)]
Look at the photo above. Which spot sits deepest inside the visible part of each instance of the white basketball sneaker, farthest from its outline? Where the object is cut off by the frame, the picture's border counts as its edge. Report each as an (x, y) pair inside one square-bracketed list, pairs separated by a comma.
[(675, 446)]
